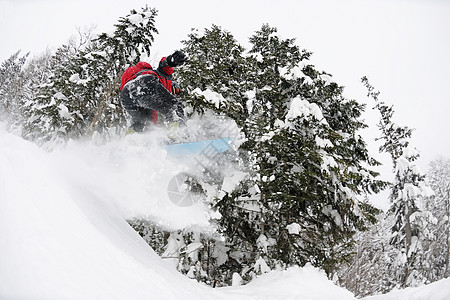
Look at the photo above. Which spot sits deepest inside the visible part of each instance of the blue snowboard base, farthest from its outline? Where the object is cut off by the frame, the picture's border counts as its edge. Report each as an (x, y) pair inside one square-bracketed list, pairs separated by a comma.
[(207, 147)]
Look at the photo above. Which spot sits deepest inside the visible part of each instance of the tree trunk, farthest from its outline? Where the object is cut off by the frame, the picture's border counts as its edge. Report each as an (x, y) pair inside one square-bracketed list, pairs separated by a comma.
[(109, 91), (408, 237)]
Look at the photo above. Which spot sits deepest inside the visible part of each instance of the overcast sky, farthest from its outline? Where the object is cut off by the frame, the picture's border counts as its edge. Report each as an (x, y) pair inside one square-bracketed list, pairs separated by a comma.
[(403, 46)]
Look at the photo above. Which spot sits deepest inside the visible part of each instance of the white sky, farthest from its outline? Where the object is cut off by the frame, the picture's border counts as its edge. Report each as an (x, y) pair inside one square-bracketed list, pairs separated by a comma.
[(403, 46)]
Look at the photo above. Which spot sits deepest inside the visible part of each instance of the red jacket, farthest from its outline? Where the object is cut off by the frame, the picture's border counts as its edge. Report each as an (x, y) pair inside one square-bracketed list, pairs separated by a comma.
[(143, 68)]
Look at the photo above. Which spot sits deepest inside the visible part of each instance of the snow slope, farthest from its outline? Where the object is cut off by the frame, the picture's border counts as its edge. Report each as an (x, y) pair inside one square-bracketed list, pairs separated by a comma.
[(63, 233), (62, 237), (439, 290)]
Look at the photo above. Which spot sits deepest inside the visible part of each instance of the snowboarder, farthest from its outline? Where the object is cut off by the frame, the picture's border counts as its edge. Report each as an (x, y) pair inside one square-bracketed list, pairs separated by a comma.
[(146, 92)]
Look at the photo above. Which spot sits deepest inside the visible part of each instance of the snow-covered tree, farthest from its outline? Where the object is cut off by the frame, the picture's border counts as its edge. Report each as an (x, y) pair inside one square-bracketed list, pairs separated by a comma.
[(409, 231), (11, 87), (216, 65), (369, 272), (21, 81), (439, 206), (308, 157), (49, 115), (36, 72), (82, 94), (306, 165)]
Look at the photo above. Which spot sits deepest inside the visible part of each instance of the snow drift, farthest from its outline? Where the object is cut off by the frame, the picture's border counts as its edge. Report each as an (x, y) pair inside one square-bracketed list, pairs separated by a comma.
[(439, 290), (64, 235)]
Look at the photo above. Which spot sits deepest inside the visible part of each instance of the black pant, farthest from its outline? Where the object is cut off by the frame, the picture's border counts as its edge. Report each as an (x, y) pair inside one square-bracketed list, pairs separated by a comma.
[(140, 118), (145, 94)]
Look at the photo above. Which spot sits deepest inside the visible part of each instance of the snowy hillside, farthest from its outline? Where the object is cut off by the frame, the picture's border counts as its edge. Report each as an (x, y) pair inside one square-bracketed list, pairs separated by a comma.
[(63, 233)]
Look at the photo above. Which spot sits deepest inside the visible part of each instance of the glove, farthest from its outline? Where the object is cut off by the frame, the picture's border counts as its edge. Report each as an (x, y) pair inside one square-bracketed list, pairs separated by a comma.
[(172, 131), (173, 126), (176, 59), (175, 88)]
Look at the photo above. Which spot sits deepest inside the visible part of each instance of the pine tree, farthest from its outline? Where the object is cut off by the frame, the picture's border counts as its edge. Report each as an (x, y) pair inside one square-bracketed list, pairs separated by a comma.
[(11, 87), (370, 270), (108, 56), (439, 206), (304, 158), (408, 232), (219, 59), (50, 118), (306, 145), (36, 72), (82, 94)]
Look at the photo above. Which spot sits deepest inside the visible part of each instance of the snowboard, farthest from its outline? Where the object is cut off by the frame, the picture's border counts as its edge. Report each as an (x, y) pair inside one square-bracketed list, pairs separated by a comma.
[(184, 189), (206, 147)]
